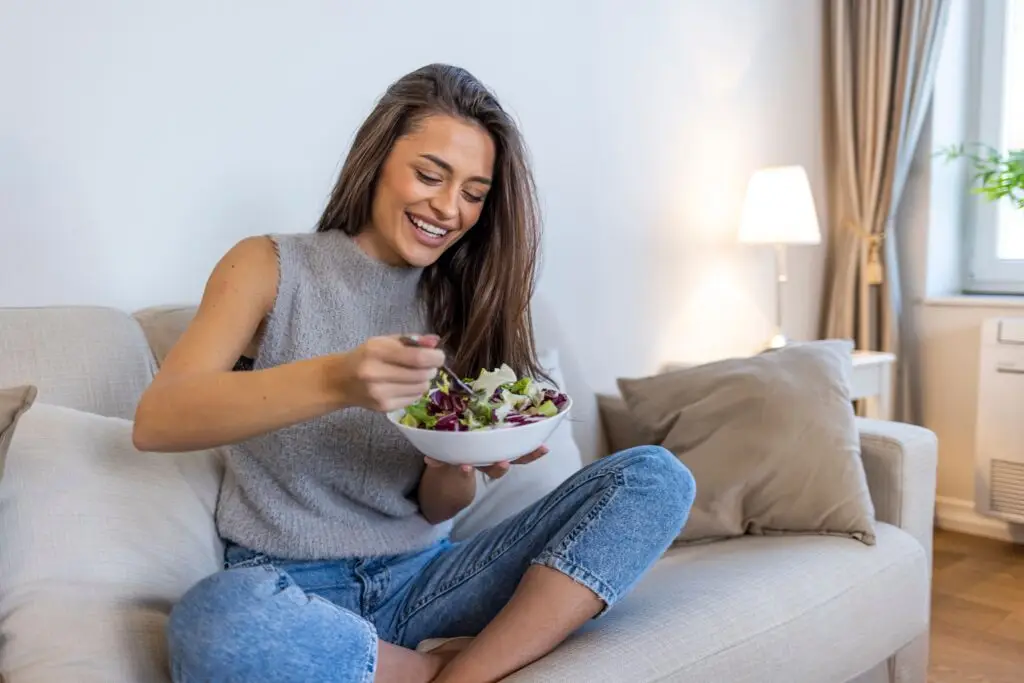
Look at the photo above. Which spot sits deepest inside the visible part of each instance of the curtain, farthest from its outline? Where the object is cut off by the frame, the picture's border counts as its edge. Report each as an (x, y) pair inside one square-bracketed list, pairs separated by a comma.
[(880, 61)]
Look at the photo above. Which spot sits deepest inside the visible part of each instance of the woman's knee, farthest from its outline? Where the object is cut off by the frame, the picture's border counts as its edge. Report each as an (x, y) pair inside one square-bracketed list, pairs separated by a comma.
[(255, 624), (665, 484), (212, 617), (218, 595)]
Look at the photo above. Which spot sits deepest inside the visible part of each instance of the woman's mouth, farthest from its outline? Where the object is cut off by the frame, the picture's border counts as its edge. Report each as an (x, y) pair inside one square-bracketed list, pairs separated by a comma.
[(428, 233)]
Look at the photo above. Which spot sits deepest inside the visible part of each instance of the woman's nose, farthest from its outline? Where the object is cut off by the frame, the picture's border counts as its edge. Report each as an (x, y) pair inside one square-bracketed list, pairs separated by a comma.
[(445, 204)]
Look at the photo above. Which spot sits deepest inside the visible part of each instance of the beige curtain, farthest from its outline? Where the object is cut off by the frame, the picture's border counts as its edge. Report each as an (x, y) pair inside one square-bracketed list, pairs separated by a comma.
[(880, 63)]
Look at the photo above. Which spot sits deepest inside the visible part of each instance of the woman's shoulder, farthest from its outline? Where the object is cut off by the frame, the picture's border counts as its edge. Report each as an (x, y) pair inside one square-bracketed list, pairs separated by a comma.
[(300, 245), (249, 261), (270, 254), (255, 248)]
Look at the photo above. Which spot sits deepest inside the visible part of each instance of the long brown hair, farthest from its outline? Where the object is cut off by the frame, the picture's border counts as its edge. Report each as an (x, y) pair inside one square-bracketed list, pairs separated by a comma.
[(477, 294)]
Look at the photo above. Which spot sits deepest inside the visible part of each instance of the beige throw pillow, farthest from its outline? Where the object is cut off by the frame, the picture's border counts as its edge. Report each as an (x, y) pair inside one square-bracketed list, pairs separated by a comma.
[(771, 440), (13, 404)]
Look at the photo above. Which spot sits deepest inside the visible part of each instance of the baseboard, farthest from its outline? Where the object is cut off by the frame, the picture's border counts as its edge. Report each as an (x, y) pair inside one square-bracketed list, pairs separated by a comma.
[(956, 514)]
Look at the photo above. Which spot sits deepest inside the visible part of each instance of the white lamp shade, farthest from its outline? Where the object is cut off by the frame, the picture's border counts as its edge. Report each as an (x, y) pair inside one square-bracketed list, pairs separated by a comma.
[(779, 208)]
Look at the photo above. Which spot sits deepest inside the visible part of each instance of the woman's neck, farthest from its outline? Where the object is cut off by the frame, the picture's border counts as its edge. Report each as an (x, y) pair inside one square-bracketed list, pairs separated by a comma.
[(367, 270), (376, 247)]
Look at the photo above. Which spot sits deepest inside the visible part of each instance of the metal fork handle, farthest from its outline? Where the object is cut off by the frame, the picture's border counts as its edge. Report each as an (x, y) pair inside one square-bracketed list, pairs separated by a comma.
[(455, 379)]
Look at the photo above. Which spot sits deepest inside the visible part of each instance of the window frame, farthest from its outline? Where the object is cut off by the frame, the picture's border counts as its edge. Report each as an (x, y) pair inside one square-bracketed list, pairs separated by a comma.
[(984, 273)]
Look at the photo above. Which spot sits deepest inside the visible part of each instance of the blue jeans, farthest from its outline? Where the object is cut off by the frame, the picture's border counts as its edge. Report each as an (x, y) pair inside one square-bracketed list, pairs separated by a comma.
[(268, 619)]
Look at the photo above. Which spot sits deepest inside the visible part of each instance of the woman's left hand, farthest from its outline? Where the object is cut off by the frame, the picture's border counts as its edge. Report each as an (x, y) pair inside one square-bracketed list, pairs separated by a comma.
[(495, 471)]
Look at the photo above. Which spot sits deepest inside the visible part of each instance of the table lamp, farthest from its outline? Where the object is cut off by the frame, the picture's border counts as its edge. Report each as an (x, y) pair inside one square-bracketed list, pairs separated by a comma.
[(779, 210)]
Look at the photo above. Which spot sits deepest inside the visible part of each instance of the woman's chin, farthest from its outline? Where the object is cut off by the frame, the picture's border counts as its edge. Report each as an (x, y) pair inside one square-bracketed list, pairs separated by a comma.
[(419, 255)]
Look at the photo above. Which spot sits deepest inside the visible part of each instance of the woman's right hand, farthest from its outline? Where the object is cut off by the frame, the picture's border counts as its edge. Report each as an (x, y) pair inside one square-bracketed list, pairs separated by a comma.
[(383, 374)]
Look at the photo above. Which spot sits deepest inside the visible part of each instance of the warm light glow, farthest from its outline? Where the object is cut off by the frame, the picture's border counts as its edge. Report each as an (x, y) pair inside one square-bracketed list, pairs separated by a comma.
[(779, 208)]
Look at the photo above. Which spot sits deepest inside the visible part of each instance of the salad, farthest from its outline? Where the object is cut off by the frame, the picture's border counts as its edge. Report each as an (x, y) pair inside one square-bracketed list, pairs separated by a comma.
[(499, 399)]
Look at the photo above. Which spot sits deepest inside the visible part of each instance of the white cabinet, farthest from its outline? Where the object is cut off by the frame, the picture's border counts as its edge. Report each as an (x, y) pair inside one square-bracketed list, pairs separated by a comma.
[(999, 447)]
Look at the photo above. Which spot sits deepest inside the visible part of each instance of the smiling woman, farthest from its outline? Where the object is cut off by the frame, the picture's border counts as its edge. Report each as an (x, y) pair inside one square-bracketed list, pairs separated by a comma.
[(338, 564)]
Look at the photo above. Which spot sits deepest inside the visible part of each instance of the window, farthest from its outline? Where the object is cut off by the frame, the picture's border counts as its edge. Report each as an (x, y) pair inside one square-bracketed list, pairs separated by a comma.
[(996, 258)]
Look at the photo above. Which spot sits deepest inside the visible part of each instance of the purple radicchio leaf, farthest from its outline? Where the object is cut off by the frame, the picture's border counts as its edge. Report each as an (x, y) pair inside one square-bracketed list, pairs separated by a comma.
[(448, 423)]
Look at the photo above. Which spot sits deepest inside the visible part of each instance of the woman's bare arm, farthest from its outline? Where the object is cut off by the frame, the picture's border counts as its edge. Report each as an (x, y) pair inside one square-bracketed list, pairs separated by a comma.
[(445, 491), (196, 401)]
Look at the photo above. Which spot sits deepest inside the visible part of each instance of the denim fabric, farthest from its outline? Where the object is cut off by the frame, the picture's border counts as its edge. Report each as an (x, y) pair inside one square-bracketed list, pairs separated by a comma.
[(268, 619)]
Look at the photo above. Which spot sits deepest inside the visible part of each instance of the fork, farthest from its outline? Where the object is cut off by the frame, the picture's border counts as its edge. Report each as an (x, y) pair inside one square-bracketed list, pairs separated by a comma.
[(456, 382)]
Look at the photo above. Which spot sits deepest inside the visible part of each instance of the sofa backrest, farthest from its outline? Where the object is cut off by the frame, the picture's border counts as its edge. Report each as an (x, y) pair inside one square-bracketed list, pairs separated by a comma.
[(84, 357), (101, 359)]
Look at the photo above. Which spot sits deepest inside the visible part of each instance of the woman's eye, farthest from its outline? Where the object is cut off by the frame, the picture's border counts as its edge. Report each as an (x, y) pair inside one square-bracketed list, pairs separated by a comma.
[(470, 197), (428, 179)]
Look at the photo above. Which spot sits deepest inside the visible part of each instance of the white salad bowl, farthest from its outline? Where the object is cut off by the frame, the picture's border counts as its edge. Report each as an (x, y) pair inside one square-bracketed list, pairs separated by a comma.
[(481, 447)]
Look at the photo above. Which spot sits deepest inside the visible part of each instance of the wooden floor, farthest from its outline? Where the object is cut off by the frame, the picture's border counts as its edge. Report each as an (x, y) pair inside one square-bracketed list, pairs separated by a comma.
[(977, 611)]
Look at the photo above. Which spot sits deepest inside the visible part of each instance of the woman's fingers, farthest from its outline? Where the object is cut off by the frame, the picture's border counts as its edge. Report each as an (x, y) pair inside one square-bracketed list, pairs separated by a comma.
[(500, 469), (423, 356), (429, 341), (495, 471), (431, 462), (530, 457)]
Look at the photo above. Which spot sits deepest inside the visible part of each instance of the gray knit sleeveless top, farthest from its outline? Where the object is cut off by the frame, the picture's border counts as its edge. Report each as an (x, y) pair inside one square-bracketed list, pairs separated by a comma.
[(342, 485)]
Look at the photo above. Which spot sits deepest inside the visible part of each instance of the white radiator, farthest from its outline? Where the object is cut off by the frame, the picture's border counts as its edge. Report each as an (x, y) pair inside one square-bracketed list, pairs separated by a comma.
[(999, 448)]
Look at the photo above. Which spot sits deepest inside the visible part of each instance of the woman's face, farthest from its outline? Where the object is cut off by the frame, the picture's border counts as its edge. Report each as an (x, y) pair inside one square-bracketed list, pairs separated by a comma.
[(431, 190)]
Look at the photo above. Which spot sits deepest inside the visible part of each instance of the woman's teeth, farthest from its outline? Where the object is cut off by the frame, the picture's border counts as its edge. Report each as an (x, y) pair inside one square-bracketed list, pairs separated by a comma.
[(431, 230)]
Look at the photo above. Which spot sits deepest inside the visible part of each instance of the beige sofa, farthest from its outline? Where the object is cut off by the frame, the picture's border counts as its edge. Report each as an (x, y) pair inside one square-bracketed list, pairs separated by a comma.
[(811, 609)]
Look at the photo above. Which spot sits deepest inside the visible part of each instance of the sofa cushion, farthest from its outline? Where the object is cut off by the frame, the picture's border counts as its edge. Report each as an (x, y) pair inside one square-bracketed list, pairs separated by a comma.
[(620, 427), (771, 440), (13, 404), (804, 608), (584, 421), (99, 541), (522, 485), (85, 357)]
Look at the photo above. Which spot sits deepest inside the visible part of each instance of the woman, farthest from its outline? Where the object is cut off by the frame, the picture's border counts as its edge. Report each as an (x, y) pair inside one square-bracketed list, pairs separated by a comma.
[(337, 559)]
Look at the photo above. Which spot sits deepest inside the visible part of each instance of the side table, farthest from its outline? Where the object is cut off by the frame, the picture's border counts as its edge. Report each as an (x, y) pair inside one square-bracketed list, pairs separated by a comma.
[(872, 382)]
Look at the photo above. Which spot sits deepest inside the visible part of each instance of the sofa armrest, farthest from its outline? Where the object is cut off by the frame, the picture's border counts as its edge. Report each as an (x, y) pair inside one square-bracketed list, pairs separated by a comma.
[(900, 461)]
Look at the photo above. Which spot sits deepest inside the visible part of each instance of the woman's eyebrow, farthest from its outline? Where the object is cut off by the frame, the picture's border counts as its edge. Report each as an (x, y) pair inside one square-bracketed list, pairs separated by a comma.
[(448, 168)]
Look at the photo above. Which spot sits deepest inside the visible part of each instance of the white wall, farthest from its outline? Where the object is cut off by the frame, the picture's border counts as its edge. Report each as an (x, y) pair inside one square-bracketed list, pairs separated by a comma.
[(138, 141)]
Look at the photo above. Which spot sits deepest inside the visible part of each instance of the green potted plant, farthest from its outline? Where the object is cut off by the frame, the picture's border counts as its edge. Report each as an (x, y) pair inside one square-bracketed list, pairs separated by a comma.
[(996, 175)]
